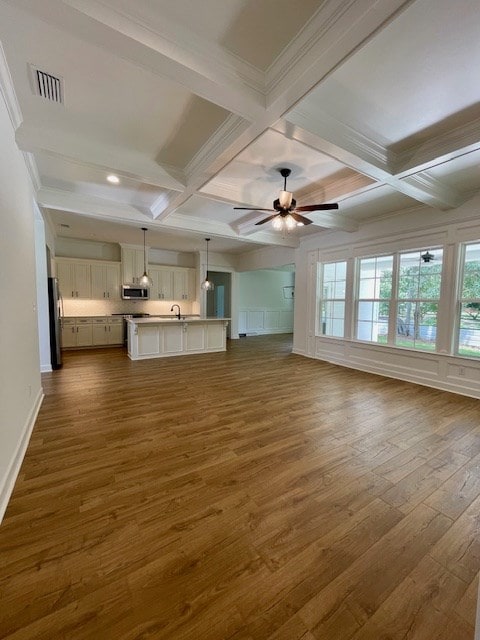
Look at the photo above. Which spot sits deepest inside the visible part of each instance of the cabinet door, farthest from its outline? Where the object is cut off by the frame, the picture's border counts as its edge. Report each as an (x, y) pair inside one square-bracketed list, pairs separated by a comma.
[(191, 284), (179, 284), (100, 333), (162, 287), (84, 335), (155, 293), (184, 284), (97, 272), (66, 275), (132, 265), (83, 287), (166, 284), (69, 336), (115, 333), (112, 281)]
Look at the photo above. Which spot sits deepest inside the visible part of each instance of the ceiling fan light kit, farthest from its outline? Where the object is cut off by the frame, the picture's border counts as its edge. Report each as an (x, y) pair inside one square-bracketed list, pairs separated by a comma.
[(285, 211)]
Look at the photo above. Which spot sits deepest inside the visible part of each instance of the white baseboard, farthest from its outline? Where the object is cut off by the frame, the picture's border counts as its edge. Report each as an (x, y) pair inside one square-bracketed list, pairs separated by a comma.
[(46, 368), (8, 482)]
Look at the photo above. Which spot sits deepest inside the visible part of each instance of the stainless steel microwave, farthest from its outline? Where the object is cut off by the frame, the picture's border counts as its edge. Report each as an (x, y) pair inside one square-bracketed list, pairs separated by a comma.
[(135, 292)]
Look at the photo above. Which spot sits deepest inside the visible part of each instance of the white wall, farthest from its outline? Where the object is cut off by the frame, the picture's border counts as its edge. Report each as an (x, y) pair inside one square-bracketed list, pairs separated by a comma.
[(262, 307), (20, 385), (414, 229), (42, 293)]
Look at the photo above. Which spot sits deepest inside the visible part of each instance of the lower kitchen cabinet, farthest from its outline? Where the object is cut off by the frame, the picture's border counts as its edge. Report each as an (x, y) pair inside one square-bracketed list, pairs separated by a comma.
[(91, 332)]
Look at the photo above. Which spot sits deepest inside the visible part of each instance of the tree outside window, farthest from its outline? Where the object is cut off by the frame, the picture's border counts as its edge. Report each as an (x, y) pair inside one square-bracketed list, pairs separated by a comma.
[(418, 294)]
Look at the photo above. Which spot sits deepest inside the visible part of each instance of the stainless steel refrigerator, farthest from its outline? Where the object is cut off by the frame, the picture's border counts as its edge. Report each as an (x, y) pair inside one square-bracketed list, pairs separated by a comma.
[(55, 309)]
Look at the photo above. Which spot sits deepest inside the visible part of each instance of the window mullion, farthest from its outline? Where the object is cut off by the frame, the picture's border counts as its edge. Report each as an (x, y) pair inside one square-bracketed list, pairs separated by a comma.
[(392, 317)]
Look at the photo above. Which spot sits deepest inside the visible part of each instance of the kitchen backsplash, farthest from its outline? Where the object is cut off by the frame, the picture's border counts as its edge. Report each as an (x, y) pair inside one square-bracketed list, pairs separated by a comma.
[(107, 307)]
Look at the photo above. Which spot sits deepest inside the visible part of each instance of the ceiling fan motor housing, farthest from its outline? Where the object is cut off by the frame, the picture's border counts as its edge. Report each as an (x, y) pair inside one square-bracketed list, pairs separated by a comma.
[(278, 207)]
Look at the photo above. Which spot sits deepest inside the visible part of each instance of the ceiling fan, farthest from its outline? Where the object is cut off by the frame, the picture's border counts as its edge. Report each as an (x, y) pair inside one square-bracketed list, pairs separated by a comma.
[(287, 214)]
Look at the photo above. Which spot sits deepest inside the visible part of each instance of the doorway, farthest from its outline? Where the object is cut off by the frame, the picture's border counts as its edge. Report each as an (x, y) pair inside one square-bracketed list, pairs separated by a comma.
[(219, 301)]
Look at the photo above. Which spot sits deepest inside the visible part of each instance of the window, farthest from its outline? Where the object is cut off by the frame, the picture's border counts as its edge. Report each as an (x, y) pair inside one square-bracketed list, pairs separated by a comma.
[(469, 322), (374, 294), (418, 294), (332, 281)]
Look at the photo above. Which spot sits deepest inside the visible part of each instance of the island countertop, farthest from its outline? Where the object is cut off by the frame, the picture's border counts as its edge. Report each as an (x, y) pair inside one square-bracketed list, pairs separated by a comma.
[(173, 319)]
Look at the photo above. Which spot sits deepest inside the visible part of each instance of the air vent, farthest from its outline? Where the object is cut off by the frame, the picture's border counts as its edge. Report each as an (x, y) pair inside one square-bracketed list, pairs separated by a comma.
[(47, 85)]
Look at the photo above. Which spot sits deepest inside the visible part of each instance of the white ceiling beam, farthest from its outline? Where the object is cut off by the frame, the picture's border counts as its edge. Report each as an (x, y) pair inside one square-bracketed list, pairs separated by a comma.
[(175, 53), (89, 206), (219, 229), (313, 131), (82, 151)]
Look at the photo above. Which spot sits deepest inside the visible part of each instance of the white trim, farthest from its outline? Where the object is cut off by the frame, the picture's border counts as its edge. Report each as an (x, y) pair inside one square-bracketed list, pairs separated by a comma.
[(46, 368), (8, 482), (8, 92)]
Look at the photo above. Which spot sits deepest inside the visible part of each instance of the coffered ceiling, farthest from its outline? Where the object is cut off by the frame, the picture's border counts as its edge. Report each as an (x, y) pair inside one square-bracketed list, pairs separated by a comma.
[(196, 105)]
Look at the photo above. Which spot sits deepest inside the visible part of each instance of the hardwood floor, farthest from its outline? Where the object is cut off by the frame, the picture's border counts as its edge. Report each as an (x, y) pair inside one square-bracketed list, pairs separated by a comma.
[(246, 495)]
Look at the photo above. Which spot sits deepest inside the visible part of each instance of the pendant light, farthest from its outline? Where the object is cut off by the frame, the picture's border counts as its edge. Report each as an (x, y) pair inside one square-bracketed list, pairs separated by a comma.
[(207, 285), (145, 280)]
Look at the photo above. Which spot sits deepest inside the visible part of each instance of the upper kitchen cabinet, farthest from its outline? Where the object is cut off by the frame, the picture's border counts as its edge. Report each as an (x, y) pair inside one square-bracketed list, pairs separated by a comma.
[(74, 278), (184, 284), (105, 281), (132, 265), (162, 283)]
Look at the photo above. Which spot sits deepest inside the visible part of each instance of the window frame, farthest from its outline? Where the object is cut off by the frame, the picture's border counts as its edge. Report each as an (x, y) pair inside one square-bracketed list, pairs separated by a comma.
[(320, 299), (460, 300)]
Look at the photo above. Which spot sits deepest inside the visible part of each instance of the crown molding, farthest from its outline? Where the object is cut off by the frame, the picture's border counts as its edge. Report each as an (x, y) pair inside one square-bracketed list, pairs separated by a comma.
[(224, 230), (344, 137), (439, 148), (311, 37), (88, 205), (437, 194), (8, 92), (334, 32), (208, 155), (32, 170)]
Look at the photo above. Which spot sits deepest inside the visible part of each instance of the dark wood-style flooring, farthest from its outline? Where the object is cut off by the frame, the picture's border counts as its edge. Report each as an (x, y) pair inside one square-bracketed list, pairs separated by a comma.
[(246, 495)]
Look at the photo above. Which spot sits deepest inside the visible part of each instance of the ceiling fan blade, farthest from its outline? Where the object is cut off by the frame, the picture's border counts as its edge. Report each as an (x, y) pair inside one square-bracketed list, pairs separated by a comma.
[(266, 219), (318, 207), (298, 218), (253, 209)]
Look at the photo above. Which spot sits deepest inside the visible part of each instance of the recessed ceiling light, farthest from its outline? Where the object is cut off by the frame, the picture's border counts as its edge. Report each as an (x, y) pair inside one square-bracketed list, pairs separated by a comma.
[(113, 179)]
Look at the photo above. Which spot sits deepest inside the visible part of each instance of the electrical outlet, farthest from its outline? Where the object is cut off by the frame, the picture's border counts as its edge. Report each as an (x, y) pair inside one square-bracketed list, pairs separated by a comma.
[(461, 371)]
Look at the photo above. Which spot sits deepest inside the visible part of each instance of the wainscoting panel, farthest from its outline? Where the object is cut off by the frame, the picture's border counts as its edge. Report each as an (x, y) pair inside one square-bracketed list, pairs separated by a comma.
[(264, 321), (440, 371)]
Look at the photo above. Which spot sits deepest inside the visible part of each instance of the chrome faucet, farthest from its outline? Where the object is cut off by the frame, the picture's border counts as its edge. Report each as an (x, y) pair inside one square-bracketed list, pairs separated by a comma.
[(176, 305)]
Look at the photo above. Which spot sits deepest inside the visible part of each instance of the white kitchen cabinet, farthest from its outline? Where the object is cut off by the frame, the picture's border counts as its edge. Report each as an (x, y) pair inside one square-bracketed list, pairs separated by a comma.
[(161, 337), (132, 265), (84, 332), (162, 279), (99, 332), (88, 332), (184, 284), (115, 331), (105, 281), (74, 279), (107, 331), (69, 337)]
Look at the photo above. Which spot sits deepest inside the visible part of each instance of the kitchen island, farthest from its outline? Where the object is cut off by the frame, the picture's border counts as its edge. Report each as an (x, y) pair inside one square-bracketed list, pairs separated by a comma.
[(163, 337)]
